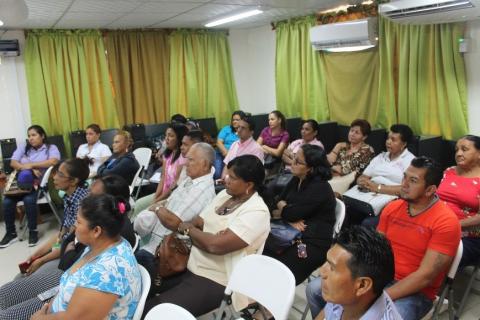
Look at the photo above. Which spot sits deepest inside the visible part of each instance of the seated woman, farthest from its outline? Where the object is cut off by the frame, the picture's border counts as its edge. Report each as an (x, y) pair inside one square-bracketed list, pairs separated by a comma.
[(122, 162), (349, 159), (25, 301), (380, 182), (309, 134), (94, 149), (30, 160), (225, 138), (460, 189), (105, 283), (274, 138), (234, 225), (308, 204), (173, 162)]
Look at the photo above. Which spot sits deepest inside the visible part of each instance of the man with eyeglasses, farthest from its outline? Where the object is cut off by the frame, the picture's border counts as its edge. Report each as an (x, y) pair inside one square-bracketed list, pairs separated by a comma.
[(424, 234)]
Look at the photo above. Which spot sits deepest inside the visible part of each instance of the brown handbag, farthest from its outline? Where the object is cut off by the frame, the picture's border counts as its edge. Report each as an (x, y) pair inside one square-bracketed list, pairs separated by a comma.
[(172, 255)]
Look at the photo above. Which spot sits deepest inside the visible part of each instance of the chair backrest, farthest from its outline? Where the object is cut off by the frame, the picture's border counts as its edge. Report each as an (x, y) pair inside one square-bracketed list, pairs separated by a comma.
[(456, 261), (77, 138), (143, 156), (169, 311), (339, 217), (107, 136), (146, 283), (267, 281), (134, 180), (137, 242), (58, 141), (45, 177)]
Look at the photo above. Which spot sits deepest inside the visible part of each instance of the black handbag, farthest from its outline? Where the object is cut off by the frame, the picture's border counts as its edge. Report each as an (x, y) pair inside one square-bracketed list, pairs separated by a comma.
[(283, 234)]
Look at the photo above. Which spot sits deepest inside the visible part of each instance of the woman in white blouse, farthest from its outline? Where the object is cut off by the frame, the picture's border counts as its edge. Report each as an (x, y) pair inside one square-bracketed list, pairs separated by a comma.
[(94, 149)]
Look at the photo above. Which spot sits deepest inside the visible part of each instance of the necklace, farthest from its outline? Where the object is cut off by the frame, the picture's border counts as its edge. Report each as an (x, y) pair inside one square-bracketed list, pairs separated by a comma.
[(409, 210), (229, 206)]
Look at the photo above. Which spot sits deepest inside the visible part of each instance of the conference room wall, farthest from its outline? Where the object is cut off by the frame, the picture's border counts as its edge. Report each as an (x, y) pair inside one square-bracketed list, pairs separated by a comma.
[(472, 64)]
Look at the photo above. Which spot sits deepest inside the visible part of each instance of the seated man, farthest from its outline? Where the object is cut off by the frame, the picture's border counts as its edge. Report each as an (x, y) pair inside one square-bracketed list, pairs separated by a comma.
[(424, 235), (245, 144), (359, 265), (185, 203)]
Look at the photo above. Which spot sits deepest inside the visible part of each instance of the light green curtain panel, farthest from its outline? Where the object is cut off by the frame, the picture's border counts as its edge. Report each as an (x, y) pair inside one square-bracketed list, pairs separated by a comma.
[(68, 80), (300, 82), (423, 77), (201, 77), (139, 65)]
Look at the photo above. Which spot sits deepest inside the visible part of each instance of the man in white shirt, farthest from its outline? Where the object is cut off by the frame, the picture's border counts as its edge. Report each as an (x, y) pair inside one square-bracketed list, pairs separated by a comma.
[(185, 203)]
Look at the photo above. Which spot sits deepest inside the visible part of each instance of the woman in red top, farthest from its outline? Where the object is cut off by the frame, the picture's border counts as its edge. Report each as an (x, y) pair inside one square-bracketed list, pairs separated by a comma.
[(460, 189)]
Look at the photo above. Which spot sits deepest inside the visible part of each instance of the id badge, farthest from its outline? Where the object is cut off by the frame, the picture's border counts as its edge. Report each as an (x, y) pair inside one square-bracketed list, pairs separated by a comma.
[(302, 250)]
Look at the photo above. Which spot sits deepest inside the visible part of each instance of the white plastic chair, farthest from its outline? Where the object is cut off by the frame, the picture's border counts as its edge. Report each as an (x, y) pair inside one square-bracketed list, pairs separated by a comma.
[(43, 196), (137, 242), (146, 283), (263, 279), (169, 311), (143, 156)]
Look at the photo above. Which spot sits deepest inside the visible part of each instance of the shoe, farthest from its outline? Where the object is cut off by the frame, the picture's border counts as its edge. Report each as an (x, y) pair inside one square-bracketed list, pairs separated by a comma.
[(8, 239), (33, 238)]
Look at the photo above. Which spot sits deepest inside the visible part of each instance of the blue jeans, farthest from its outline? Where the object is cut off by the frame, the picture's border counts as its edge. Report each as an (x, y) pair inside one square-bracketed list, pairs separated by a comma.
[(218, 164), (147, 260), (10, 204), (471, 252), (415, 306)]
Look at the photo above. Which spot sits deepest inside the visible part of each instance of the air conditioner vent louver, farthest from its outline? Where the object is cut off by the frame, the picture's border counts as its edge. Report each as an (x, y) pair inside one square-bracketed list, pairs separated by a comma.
[(429, 9)]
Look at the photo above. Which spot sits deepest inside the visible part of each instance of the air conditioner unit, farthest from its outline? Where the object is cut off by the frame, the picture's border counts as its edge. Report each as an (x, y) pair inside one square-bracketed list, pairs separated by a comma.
[(345, 36), (9, 48), (430, 11)]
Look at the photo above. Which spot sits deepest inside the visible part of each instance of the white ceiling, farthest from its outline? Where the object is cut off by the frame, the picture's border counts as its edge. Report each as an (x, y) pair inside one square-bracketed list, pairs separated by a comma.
[(128, 14)]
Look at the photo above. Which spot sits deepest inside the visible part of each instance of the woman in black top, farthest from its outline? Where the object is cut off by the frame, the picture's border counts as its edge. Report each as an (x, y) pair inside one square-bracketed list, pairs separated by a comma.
[(308, 204)]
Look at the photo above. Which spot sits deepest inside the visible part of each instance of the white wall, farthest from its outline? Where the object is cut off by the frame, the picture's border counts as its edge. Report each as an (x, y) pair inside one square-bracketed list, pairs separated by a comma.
[(14, 107), (253, 60), (472, 65)]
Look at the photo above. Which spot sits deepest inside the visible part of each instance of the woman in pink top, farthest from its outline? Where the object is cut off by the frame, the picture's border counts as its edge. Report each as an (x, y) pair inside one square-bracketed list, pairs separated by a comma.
[(274, 138), (460, 189), (172, 160)]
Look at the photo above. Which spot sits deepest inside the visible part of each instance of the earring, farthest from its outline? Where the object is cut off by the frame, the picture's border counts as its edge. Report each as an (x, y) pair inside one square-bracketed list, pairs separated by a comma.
[(247, 192)]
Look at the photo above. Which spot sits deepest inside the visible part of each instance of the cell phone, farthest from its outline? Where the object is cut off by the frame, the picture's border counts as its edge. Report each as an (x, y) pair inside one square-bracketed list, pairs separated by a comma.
[(47, 295), (25, 265)]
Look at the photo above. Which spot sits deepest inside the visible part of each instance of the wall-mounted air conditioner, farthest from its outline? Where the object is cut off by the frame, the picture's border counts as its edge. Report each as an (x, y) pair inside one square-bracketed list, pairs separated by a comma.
[(430, 11), (345, 36), (9, 48)]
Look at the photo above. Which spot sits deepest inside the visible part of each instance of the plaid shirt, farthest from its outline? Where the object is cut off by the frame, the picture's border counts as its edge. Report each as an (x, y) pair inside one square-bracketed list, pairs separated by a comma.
[(71, 203)]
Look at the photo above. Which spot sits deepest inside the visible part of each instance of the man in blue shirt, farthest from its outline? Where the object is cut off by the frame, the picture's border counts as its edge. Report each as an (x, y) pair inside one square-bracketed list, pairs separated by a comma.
[(359, 265)]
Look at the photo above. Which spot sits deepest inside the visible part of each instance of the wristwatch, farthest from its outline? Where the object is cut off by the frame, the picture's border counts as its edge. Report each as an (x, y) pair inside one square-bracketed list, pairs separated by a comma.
[(379, 188)]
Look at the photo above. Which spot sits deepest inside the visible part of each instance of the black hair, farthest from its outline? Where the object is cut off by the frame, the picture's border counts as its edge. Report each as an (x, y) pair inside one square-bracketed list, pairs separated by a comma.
[(39, 130), (406, 134), (250, 122), (105, 211), (178, 118), (316, 160), (474, 139), (312, 123), (95, 127), (283, 120), (180, 130), (434, 173), (363, 124), (114, 185), (371, 255), (195, 135), (237, 113), (78, 168), (248, 168)]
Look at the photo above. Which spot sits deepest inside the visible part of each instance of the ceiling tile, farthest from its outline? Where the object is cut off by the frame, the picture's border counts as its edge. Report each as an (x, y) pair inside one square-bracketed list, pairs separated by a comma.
[(170, 7), (139, 20), (118, 6)]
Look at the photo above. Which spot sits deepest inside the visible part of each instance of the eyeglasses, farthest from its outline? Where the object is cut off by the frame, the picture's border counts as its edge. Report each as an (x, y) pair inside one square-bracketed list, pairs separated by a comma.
[(62, 175)]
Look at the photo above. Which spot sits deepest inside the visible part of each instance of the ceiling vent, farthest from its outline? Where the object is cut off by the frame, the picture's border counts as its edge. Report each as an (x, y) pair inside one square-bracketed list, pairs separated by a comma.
[(9, 48)]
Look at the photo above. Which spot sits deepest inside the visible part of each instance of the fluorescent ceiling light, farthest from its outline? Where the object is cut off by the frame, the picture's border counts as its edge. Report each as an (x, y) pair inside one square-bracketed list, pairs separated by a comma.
[(349, 49), (1, 23), (235, 17)]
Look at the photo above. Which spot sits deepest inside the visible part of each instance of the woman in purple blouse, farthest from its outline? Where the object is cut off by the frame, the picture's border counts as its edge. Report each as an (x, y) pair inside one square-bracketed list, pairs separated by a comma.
[(30, 160), (274, 138)]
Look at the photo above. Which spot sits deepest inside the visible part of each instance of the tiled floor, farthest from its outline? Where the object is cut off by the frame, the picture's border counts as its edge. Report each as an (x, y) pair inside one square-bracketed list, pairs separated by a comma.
[(11, 256)]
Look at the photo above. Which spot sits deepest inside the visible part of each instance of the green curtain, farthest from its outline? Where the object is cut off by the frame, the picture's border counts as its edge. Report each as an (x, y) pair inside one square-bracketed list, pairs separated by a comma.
[(139, 64), (68, 80), (429, 72), (299, 81), (201, 78)]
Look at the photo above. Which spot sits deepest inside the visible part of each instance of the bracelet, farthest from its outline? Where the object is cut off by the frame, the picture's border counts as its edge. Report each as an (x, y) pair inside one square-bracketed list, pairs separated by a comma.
[(379, 188)]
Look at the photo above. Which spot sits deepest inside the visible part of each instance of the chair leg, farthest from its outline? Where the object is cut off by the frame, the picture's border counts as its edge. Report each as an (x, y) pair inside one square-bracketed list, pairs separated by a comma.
[(467, 292), (305, 312), (451, 309), (438, 305), (138, 188)]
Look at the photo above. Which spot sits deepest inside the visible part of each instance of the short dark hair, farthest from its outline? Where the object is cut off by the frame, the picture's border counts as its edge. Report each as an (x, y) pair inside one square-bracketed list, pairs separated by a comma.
[(248, 168), (316, 160), (434, 173), (239, 113), (78, 168), (114, 185), (250, 122), (474, 139), (371, 255), (105, 211), (195, 135), (312, 123), (283, 120), (363, 124), (406, 134), (178, 118), (95, 127)]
